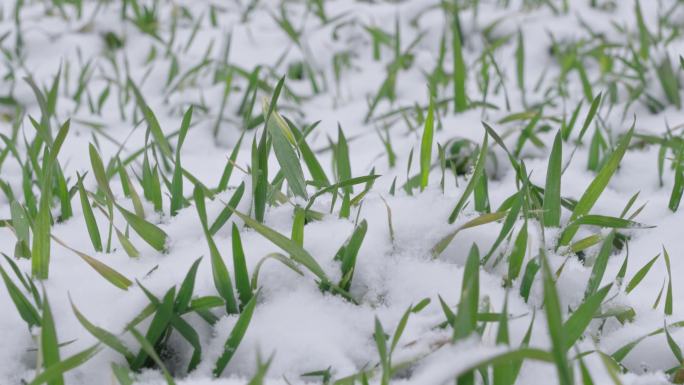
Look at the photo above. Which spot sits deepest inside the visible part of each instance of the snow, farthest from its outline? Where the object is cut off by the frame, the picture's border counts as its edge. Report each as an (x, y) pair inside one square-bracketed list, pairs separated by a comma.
[(305, 329)]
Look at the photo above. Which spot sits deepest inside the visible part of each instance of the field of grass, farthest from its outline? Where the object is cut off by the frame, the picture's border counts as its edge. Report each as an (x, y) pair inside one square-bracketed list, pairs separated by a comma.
[(341, 192)]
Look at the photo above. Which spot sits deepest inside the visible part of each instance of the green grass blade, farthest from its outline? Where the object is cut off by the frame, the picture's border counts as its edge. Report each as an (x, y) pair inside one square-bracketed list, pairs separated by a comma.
[(426, 146), (636, 280), (235, 337), (148, 348), (222, 280), (593, 192), (176, 189), (577, 323), (49, 343), (286, 156), (474, 178), (554, 318), (600, 265), (89, 217), (289, 246), (226, 213), (150, 233), (26, 310), (114, 277), (466, 318), (552, 189), (102, 335), (240, 267), (56, 371)]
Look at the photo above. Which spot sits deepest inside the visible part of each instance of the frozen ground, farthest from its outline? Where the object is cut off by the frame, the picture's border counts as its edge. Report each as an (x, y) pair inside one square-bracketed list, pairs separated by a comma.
[(364, 69)]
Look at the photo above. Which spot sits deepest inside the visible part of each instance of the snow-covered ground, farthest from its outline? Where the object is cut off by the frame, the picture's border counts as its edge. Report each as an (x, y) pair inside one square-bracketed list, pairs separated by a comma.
[(181, 54)]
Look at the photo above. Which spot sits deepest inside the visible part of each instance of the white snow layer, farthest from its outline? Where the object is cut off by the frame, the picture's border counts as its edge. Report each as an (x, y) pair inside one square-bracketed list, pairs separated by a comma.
[(305, 329)]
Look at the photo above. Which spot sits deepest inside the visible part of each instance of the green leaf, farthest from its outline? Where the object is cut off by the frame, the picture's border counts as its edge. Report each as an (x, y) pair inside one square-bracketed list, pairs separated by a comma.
[(240, 267), (111, 275), (230, 165), (466, 318), (593, 192), (515, 260), (312, 164), (348, 257), (559, 341), (342, 159), (127, 244), (150, 233), (634, 282), (607, 222), (668, 296), (503, 374), (440, 246), (509, 222), (49, 343), (184, 295), (474, 178), (576, 324), (155, 129), (22, 227), (552, 189), (235, 337), (99, 171), (600, 265), (148, 348), (26, 310), (459, 67), (176, 188), (287, 158), (102, 335), (426, 146), (278, 257), (225, 214), (222, 280), (289, 246), (163, 312), (298, 223), (341, 184), (590, 115), (55, 372), (89, 217), (381, 345)]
